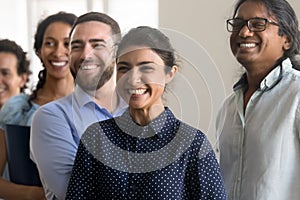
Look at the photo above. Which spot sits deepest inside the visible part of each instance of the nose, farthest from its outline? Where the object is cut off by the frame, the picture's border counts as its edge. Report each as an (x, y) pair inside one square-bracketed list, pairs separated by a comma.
[(245, 32), (134, 77), (61, 50), (86, 52)]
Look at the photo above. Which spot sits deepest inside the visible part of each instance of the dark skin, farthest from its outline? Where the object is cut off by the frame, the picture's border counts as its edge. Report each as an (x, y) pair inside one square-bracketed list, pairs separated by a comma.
[(258, 52)]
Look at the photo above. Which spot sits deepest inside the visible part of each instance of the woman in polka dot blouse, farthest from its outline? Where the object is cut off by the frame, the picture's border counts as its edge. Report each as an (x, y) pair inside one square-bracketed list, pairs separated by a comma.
[(146, 153)]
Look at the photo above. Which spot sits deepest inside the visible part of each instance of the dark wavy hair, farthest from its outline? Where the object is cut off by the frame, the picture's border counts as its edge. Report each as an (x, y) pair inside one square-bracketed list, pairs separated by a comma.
[(64, 17), (10, 46), (288, 23), (145, 36)]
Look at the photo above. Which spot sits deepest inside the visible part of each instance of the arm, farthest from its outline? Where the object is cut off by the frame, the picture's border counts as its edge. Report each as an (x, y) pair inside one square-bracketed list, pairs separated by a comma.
[(82, 184), (53, 148), (220, 121), (210, 179), (9, 190)]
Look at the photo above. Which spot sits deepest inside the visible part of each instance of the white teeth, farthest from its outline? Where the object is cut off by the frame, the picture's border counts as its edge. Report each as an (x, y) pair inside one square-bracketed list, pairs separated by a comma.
[(2, 89), (247, 45), (86, 67), (137, 91), (59, 64)]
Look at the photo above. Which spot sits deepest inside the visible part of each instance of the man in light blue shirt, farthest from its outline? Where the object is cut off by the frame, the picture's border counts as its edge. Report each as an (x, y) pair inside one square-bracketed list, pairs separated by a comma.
[(57, 126), (259, 124)]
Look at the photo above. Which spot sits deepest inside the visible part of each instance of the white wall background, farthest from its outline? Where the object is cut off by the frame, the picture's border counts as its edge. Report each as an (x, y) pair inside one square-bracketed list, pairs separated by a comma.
[(196, 27)]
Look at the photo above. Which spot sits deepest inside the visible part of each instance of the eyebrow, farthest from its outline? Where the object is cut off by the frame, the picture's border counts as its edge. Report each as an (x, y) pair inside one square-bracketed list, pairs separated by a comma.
[(76, 41), (50, 38), (90, 40), (141, 63), (97, 40), (53, 38), (5, 69)]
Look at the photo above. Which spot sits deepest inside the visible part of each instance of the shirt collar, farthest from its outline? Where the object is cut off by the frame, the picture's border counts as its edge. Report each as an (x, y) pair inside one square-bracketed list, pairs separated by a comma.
[(270, 80), (127, 124), (81, 96)]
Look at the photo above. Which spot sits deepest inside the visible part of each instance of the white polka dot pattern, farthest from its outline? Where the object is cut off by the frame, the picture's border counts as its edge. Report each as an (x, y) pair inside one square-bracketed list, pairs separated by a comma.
[(193, 172)]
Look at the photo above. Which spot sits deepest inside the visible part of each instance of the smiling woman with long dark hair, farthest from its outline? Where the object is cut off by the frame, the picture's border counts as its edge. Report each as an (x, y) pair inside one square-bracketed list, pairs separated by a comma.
[(55, 81)]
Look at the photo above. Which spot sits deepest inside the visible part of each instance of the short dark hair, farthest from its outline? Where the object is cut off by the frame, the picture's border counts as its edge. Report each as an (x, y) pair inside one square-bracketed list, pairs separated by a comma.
[(100, 17), (145, 36), (287, 20), (10, 46)]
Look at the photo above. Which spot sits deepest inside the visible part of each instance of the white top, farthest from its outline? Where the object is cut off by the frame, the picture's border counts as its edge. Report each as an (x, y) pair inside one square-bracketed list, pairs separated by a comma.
[(260, 149)]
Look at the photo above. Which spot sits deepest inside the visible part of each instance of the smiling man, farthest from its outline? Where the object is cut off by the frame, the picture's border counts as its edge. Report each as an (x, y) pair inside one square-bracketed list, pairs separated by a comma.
[(14, 70), (58, 126), (258, 125)]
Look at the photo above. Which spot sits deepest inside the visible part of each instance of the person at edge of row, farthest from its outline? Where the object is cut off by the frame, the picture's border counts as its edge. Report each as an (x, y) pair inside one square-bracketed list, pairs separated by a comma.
[(258, 125), (14, 74), (57, 127), (55, 81), (146, 153), (14, 70)]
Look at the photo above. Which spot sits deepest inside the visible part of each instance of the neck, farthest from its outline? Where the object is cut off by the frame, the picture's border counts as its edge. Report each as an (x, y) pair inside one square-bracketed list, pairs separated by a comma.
[(146, 115), (55, 89), (106, 96), (255, 74), (257, 71)]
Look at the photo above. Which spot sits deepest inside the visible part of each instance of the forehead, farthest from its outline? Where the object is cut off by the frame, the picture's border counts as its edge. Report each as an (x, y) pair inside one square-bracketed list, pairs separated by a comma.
[(92, 29), (136, 55), (7, 60), (57, 30), (250, 9)]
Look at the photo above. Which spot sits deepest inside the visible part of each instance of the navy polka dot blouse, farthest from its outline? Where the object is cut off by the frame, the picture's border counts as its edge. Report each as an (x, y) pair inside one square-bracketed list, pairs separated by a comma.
[(167, 159)]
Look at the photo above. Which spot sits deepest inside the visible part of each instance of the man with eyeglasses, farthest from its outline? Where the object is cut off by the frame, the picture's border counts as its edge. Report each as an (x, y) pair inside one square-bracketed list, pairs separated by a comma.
[(259, 124)]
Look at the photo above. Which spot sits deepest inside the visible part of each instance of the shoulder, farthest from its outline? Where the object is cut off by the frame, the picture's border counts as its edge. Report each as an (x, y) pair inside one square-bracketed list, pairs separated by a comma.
[(290, 84), (188, 134), (51, 118), (228, 102), (16, 108), (200, 147), (293, 73), (188, 129), (56, 107), (289, 71), (94, 128), (18, 101)]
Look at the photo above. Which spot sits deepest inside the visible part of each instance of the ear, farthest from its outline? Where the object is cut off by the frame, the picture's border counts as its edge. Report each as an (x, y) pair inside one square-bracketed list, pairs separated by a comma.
[(23, 80), (287, 43), (171, 74)]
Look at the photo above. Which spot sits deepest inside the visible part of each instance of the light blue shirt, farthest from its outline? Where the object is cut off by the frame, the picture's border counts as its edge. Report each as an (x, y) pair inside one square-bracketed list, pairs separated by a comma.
[(17, 110), (55, 133), (260, 148)]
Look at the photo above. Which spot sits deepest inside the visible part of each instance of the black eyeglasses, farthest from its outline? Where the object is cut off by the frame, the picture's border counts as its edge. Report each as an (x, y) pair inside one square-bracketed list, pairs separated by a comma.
[(253, 24)]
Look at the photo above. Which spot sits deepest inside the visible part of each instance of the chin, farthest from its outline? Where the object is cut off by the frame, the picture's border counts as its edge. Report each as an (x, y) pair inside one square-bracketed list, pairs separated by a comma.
[(135, 106)]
